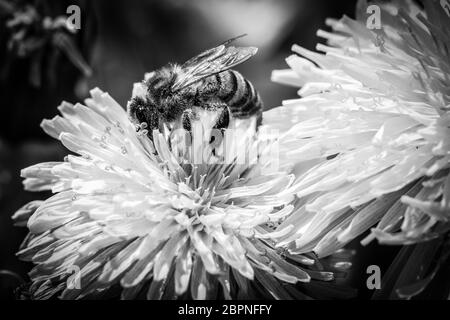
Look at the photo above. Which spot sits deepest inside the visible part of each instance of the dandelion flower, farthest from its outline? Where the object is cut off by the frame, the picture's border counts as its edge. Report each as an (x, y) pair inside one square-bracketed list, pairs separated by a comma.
[(144, 218), (369, 139)]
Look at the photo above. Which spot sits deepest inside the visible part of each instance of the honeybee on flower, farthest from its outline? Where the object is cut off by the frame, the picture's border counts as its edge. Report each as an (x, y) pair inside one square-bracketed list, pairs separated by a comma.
[(140, 220)]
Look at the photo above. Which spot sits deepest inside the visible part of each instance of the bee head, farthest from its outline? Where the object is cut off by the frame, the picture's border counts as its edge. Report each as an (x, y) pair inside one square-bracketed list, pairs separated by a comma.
[(153, 101), (143, 114)]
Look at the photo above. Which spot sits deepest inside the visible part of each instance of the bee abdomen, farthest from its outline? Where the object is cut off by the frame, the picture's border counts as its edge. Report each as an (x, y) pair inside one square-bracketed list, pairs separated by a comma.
[(240, 95)]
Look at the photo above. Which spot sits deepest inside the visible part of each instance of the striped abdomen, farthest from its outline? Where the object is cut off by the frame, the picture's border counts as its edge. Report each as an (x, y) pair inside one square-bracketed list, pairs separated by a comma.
[(236, 91)]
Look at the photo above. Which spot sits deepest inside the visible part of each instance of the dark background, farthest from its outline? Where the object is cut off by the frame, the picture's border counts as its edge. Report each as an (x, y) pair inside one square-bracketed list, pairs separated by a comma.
[(122, 40)]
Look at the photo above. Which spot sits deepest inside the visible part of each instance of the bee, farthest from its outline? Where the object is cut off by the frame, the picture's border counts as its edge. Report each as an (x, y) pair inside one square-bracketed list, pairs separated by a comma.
[(171, 94)]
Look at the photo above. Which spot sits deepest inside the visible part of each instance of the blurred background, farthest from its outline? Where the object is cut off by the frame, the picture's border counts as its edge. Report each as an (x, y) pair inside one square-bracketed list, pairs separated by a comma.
[(118, 42)]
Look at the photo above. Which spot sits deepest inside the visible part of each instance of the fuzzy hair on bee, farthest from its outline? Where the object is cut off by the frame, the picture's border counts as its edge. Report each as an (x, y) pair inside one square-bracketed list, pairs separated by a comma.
[(169, 95)]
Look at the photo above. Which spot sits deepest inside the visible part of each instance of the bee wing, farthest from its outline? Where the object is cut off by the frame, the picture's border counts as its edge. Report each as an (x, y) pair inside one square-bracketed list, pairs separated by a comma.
[(210, 54), (212, 61)]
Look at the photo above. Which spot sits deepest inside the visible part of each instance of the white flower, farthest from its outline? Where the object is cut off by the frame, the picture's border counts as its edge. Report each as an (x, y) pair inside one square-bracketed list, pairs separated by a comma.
[(150, 220), (369, 139)]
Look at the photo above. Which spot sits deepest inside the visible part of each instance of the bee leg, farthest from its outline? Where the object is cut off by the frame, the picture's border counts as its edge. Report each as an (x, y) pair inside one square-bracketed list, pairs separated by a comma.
[(224, 119), (186, 119), (222, 122)]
